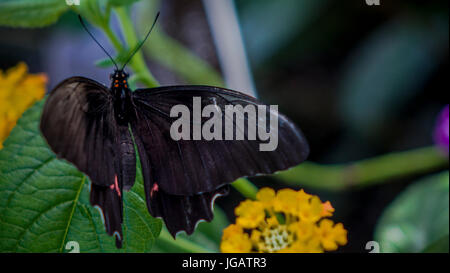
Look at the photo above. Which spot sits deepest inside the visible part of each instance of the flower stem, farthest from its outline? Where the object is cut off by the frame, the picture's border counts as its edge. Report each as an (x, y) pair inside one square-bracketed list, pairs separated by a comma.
[(137, 63), (181, 243), (246, 188), (366, 172)]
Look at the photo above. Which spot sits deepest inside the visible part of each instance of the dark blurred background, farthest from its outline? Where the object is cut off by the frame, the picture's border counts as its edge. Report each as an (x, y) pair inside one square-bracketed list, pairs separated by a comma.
[(359, 80)]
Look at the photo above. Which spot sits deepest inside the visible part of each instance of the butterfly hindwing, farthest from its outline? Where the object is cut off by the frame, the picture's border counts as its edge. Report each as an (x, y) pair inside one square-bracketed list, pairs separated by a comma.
[(79, 125)]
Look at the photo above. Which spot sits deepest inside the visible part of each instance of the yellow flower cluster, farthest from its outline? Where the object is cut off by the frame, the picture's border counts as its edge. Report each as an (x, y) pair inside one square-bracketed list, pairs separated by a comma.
[(285, 221), (18, 91)]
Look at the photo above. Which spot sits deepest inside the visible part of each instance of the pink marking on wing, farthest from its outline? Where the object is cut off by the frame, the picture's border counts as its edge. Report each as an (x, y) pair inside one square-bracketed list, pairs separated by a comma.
[(154, 188), (116, 185)]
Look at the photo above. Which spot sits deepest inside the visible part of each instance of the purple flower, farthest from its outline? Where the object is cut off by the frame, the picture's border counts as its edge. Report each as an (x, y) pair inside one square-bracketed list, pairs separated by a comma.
[(441, 131)]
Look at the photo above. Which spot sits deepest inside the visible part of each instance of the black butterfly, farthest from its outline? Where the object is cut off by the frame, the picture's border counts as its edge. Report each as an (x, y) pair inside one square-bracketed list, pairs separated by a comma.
[(95, 128)]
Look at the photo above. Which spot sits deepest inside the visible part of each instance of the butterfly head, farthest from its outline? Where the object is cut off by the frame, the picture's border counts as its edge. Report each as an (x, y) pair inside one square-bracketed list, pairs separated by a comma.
[(119, 79)]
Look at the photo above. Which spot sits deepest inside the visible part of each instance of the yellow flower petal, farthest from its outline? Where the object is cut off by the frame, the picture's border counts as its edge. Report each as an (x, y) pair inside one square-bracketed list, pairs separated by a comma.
[(303, 230), (255, 236), (327, 209), (331, 236), (18, 91), (286, 201), (303, 196), (250, 214), (234, 240), (311, 211), (266, 196)]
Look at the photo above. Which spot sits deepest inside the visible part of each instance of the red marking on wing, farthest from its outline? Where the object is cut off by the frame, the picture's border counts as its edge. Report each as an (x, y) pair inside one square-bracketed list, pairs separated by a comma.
[(116, 186), (154, 188)]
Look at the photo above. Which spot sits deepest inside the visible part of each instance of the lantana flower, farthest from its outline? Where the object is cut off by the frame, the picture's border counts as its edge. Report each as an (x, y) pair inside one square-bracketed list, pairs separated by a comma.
[(18, 91), (283, 221)]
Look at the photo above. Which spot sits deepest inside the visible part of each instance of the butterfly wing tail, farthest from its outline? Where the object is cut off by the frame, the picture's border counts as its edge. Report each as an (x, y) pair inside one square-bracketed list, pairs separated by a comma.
[(109, 202)]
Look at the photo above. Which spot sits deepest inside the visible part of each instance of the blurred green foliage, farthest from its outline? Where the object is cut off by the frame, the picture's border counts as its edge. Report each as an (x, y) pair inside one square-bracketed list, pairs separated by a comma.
[(418, 219), (269, 25), (389, 69), (31, 13)]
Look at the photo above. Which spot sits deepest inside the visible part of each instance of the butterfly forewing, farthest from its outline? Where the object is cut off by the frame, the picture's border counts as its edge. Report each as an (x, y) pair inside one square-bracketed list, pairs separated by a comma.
[(187, 167), (79, 125)]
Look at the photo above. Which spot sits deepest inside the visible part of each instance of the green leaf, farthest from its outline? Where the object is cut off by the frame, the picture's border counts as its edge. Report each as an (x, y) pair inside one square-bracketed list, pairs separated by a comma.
[(418, 218), (31, 13), (104, 63), (440, 246), (44, 201)]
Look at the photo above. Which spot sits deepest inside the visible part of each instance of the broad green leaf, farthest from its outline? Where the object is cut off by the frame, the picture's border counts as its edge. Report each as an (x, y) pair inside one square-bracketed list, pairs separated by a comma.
[(418, 219), (440, 246), (44, 201), (31, 13)]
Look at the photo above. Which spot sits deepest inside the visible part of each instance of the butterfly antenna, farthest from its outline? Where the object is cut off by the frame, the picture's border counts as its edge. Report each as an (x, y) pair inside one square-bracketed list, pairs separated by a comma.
[(142, 42), (92, 36)]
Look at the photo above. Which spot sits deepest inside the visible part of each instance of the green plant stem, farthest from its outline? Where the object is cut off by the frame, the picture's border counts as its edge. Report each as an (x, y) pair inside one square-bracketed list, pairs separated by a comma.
[(112, 38), (181, 243), (170, 53), (366, 172), (246, 188), (137, 63)]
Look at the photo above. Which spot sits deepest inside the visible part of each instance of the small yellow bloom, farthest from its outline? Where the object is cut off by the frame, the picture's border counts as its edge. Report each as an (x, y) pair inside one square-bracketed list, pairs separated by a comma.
[(303, 196), (266, 196), (235, 240), (286, 200), (18, 91), (331, 235), (311, 210), (303, 230), (286, 221), (250, 214)]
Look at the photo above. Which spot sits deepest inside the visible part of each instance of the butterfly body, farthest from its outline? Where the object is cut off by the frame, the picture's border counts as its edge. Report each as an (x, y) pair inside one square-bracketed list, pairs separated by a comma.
[(121, 95)]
